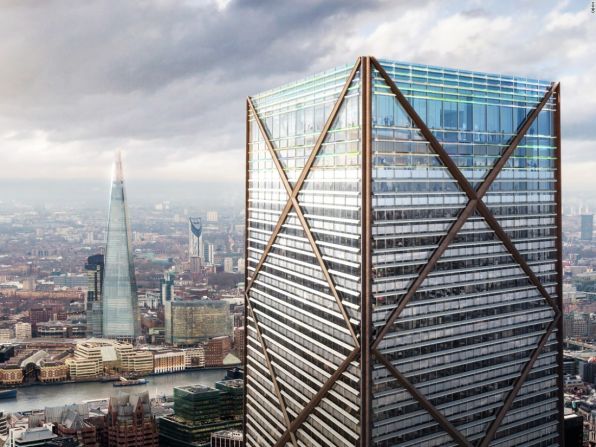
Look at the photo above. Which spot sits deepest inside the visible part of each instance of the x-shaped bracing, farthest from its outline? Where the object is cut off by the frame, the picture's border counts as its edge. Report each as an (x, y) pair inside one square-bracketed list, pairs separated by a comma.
[(475, 203), (292, 203)]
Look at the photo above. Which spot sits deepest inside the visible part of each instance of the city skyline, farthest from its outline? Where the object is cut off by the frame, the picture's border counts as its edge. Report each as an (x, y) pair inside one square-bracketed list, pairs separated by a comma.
[(347, 223)]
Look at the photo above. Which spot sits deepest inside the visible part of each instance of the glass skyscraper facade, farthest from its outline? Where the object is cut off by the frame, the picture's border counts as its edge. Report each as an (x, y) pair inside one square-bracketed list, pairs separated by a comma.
[(403, 260), (93, 303), (121, 318)]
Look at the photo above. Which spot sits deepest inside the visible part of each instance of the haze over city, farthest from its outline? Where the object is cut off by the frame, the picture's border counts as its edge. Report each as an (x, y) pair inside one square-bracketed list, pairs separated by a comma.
[(166, 81)]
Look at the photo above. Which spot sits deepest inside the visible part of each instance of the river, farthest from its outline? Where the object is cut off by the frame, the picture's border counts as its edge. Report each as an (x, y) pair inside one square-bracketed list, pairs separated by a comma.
[(37, 397)]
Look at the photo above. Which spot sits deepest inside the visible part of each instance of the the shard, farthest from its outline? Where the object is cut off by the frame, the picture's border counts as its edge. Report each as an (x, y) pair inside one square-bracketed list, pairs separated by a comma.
[(120, 308)]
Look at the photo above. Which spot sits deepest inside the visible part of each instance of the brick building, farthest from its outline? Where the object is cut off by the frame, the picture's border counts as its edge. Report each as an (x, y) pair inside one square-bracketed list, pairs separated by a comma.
[(130, 422), (216, 350)]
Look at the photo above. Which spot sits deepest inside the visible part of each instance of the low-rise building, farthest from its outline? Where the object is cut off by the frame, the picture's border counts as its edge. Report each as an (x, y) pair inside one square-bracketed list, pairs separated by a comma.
[(51, 371), (195, 357), (140, 362), (216, 350), (239, 340), (80, 368), (169, 361), (22, 331), (11, 374), (6, 334)]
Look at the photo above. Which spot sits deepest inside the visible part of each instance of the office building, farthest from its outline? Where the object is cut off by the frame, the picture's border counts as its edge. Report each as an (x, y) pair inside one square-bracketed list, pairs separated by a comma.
[(22, 331), (228, 264), (195, 238), (200, 411), (587, 227), (404, 269), (121, 318), (166, 289), (194, 321), (93, 304)]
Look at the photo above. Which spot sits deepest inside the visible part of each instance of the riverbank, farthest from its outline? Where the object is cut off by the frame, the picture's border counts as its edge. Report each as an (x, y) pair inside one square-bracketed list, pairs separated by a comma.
[(38, 396), (115, 377)]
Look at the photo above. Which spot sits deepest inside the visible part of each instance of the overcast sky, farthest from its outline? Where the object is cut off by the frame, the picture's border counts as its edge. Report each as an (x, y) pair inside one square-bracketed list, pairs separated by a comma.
[(166, 80)]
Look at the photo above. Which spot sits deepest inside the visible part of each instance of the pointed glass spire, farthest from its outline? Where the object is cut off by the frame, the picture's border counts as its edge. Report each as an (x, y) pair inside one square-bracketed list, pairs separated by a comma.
[(120, 308)]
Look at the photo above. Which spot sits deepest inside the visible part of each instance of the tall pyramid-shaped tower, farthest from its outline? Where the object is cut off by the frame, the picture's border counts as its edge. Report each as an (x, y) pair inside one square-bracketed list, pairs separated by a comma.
[(120, 307)]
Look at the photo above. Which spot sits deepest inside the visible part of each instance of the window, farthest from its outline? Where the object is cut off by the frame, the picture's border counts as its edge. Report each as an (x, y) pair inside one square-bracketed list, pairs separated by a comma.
[(492, 119), (434, 109)]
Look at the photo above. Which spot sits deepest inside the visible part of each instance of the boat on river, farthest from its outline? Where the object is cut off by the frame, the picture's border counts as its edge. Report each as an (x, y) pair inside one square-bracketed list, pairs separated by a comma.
[(130, 382), (8, 394)]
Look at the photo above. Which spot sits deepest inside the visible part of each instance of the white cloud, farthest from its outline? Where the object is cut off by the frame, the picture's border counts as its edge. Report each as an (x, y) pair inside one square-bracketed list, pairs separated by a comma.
[(166, 81)]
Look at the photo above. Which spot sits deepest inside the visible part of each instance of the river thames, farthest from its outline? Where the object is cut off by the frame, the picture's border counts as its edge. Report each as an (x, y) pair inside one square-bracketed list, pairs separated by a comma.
[(37, 397)]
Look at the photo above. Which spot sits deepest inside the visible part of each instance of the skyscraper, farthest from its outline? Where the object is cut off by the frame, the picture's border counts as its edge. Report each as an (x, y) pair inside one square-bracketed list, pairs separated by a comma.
[(404, 260), (587, 227), (93, 307), (120, 308), (195, 238)]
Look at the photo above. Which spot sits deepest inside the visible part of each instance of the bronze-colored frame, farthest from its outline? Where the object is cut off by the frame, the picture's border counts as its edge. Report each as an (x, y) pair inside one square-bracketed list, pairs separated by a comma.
[(367, 345)]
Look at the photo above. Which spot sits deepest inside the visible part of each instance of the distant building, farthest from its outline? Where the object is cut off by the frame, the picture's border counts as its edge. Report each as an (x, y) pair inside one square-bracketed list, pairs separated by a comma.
[(93, 306), (212, 216), (11, 374), (195, 238), (194, 357), (92, 357), (61, 329), (22, 331), (121, 317), (166, 361), (140, 362), (199, 411), (239, 340), (130, 422), (227, 438), (196, 265), (195, 321), (83, 368), (216, 350), (240, 265), (51, 371), (6, 334), (228, 265), (210, 254), (70, 421), (166, 287), (587, 227)]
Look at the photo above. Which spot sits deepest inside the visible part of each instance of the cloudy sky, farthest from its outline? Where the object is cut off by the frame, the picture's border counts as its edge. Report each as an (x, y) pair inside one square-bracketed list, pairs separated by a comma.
[(166, 80)]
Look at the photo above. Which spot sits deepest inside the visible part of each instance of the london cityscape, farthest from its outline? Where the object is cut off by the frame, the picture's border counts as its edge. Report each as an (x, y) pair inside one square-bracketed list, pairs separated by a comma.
[(231, 223)]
